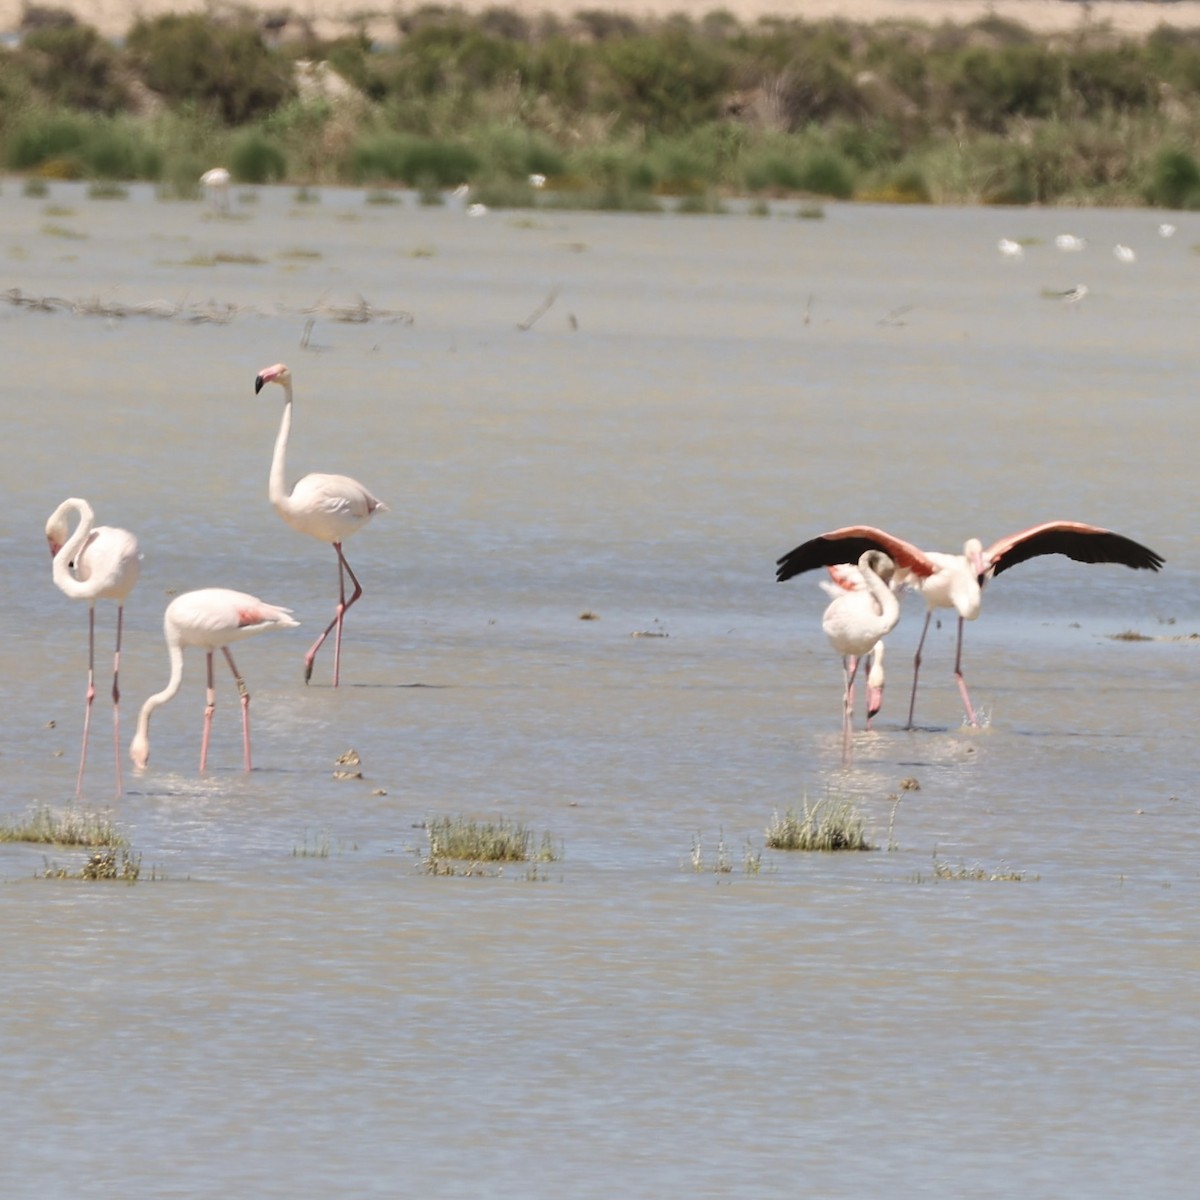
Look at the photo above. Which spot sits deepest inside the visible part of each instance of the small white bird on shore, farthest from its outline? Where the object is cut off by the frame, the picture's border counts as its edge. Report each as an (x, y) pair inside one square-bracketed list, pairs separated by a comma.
[(1069, 243), (1124, 253), (1010, 249)]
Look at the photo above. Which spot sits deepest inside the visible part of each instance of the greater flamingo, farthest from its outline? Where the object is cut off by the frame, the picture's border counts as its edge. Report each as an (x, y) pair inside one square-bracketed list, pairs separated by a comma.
[(216, 183), (327, 507), (856, 621), (956, 580), (96, 562), (847, 578), (211, 618)]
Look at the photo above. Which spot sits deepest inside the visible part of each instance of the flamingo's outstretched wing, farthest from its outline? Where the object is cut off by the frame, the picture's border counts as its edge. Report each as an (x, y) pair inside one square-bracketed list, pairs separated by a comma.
[(1083, 543), (847, 545)]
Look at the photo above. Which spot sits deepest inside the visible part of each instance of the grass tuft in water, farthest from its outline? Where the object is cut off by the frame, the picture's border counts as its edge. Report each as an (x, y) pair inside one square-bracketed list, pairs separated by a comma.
[(101, 864), (456, 839), (64, 827), (107, 190), (829, 824), (944, 870)]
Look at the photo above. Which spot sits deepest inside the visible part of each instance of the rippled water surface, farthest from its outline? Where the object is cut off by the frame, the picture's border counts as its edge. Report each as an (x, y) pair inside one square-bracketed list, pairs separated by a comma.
[(292, 1007)]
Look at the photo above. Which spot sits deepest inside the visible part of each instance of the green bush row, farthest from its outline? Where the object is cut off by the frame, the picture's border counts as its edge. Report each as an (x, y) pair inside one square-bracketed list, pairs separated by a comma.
[(615, 111)]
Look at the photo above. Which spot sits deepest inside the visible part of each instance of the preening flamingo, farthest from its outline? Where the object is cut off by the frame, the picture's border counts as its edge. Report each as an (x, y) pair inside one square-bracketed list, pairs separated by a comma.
[(211, 618), (856, 621), (956, 580), (847, 578), (96, 562), (327, 507)]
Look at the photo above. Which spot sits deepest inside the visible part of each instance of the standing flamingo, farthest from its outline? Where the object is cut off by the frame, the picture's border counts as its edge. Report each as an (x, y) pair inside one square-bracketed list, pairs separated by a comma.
[(956, 580), (327, 507), (216, 184), (856, 621), (96, 562), (211, 618)]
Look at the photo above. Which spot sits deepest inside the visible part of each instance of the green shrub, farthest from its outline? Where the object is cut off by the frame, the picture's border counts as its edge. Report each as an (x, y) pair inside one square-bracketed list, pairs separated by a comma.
[(225, 68), (73, 66), (826, 173), (256, 158), (422, 162), (1174, 180)]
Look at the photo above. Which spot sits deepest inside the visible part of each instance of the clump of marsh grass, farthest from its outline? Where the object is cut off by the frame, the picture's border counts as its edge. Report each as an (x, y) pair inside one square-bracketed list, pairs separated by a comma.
[(459, 840), (101, 864), (944, 870), (829, 824), (105, 189), (721, 865), (64, 827)]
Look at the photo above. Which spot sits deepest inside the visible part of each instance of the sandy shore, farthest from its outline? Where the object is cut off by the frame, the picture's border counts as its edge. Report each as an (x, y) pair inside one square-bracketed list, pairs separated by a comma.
[(1135, 17)]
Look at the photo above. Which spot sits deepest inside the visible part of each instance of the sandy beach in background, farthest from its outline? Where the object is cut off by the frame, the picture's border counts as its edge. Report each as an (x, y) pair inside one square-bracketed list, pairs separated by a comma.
[(328, 17)]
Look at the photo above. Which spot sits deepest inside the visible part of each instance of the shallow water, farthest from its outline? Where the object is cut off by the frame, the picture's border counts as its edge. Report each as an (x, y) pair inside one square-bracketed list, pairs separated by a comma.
[(293, 1008)]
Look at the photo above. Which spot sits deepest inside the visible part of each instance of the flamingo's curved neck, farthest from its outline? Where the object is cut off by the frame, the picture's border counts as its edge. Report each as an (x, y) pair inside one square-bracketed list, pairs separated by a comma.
[(277, 489), (139, 748), (885, 598), (67, 554)]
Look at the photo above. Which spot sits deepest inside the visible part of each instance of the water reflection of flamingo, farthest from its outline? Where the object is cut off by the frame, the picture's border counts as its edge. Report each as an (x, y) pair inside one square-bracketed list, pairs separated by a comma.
[(96, 562), (856, 621), (327, 507), (956, 580), (211, 618)]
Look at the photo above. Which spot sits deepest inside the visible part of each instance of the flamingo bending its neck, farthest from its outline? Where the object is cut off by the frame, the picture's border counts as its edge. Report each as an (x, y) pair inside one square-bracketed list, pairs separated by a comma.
[(856, 621), (211, 618), (847, 578), (327, 507), (95, 562), (956, 580)]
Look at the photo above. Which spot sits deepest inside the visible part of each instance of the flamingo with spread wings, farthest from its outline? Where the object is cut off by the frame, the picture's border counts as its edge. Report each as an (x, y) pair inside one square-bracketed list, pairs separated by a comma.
[(95, 562), (956, 580)]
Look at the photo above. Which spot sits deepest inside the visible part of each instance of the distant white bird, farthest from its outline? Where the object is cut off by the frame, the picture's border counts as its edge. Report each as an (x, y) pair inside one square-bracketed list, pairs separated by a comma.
[(537, 181), (1166, 229), (1070, 243), (1124, 253), (1075, 294), (1010, 249), (477, 210), (216, 185)]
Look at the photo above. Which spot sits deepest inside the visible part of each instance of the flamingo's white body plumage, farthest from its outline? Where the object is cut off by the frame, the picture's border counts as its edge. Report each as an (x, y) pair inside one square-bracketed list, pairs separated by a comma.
[(95, 562)]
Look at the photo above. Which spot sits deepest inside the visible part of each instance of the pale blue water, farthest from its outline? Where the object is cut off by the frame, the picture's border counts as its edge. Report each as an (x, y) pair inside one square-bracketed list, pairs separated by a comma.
[(266, 1022)]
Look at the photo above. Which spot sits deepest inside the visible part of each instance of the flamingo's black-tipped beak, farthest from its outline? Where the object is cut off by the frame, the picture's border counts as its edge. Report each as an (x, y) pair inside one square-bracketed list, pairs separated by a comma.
[(874, 700), (258, 384)]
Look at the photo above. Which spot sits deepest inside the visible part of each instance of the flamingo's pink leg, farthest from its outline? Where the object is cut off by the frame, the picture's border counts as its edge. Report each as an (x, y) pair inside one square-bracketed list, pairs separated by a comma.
[(962, 683), (116, 696), (874, 694), (339, 614), (912, 703), (244, 693), (209, 708), (89, 696), (850, 667)]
